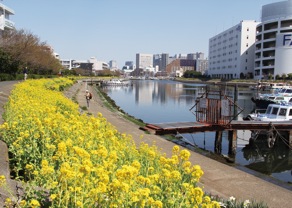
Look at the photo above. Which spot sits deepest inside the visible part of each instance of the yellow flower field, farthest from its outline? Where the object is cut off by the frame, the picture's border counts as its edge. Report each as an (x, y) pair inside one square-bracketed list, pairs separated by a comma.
[(82, 161)]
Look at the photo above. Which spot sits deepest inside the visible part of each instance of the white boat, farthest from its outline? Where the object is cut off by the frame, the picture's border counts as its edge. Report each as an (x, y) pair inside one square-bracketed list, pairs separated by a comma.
[(274, 86), (274, 112), (280, 96), (116, 82)]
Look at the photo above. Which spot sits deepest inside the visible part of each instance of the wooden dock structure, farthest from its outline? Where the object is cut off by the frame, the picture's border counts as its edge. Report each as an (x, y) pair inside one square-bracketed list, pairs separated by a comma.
[(195, 127), (271, 128)]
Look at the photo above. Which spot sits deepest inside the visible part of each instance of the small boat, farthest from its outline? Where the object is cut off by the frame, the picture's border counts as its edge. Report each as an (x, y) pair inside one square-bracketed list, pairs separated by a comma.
[(280, 96), (274, 112), (116, 82), (274, 86)]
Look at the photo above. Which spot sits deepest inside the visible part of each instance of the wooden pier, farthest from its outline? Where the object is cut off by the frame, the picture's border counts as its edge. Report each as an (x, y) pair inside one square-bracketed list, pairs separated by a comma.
[(195, 127), (272, 129)]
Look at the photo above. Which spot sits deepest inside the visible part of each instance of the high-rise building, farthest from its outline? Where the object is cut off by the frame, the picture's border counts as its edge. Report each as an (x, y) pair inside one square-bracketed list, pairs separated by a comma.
[(274, 41), (157, 61), (144, 60), (113, 65), (231, 53), (164, 61)]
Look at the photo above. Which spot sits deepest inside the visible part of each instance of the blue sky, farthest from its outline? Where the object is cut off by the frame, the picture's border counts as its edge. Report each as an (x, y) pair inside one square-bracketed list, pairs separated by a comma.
[(118, 29)]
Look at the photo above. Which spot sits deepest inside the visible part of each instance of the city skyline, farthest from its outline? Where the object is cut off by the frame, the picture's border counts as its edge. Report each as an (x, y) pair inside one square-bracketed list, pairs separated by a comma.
[(110, 30)]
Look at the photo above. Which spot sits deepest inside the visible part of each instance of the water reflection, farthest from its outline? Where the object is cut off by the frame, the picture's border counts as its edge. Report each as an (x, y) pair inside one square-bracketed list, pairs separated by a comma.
[(160, 101), (270, 161)]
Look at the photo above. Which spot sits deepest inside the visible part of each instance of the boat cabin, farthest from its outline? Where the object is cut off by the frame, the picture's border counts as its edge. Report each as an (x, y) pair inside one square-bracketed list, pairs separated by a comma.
[(275, 112)]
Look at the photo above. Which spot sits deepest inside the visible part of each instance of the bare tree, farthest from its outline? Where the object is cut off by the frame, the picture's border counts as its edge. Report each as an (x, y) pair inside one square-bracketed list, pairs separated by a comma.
[(27, 50)]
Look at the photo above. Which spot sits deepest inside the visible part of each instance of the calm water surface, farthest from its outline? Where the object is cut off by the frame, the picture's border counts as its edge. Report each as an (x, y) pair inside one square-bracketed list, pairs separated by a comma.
[(161, 101)]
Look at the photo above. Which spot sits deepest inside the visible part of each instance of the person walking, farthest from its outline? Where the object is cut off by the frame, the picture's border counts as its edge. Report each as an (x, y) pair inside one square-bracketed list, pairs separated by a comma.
[(88, 97), (25, 73)]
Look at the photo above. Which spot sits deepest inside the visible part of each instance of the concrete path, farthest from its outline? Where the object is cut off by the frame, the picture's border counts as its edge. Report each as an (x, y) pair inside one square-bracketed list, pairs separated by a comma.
[(219, 179)]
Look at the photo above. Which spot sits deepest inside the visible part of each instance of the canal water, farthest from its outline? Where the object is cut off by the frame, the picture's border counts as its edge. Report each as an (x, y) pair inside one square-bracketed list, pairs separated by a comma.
[(161, 101)]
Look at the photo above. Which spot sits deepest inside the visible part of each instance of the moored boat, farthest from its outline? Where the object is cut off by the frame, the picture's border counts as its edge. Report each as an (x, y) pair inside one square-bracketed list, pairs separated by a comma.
[(116, 82), (274, 112), (281, 96)]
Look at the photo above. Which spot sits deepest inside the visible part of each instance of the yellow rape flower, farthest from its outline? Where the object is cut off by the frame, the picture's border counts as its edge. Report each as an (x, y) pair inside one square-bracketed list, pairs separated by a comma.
[(34, 203), (158, 204), (2, 180), (185, 154), (175, 150), (22, 203), (53, 197), (29, 167), (8, 202)]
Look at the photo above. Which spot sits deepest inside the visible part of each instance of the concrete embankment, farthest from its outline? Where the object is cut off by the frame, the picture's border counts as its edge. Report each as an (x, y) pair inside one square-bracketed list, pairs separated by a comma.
[(218, 179)]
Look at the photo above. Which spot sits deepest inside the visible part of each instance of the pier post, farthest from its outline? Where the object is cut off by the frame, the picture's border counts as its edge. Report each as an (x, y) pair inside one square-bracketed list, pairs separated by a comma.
[(232, 136), (290, 139), (218, 142), (235, 102)]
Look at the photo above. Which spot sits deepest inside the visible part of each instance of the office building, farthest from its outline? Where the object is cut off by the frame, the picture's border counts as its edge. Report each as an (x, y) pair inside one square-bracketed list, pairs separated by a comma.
[(113, 65), (231, 53), (144, 60)]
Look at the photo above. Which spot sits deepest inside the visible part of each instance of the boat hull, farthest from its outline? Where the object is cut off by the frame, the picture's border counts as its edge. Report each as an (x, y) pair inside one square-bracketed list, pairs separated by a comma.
[(262, 103)]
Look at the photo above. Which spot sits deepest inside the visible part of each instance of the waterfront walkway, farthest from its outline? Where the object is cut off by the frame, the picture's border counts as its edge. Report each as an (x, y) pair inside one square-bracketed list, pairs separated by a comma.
[(218, 179)]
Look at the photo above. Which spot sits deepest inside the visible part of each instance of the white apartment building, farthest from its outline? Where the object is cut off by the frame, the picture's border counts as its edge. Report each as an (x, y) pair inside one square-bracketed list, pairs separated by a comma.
[(98, 65), (273, 55), (66, 63), (5, 22), (144, 60), (231, 53)]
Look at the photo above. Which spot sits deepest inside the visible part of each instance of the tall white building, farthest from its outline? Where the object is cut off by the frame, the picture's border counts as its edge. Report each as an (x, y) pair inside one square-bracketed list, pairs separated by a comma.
[(5, 22), (231, 53), (144, 60), (273, 55)]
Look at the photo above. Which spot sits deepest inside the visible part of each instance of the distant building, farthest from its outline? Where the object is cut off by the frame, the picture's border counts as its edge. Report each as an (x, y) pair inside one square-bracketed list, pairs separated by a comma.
[(201, 63), (273, 55), (164, 61), (179, 66), (129, 65), (98, 65), (202, 66), (113, 65), (157, 61), (144, 60), (231, 53), (66, 63), (5, 22)]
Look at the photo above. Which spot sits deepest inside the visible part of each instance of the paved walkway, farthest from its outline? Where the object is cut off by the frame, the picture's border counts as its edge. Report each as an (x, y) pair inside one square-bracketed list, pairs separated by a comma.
[(218, 179)]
